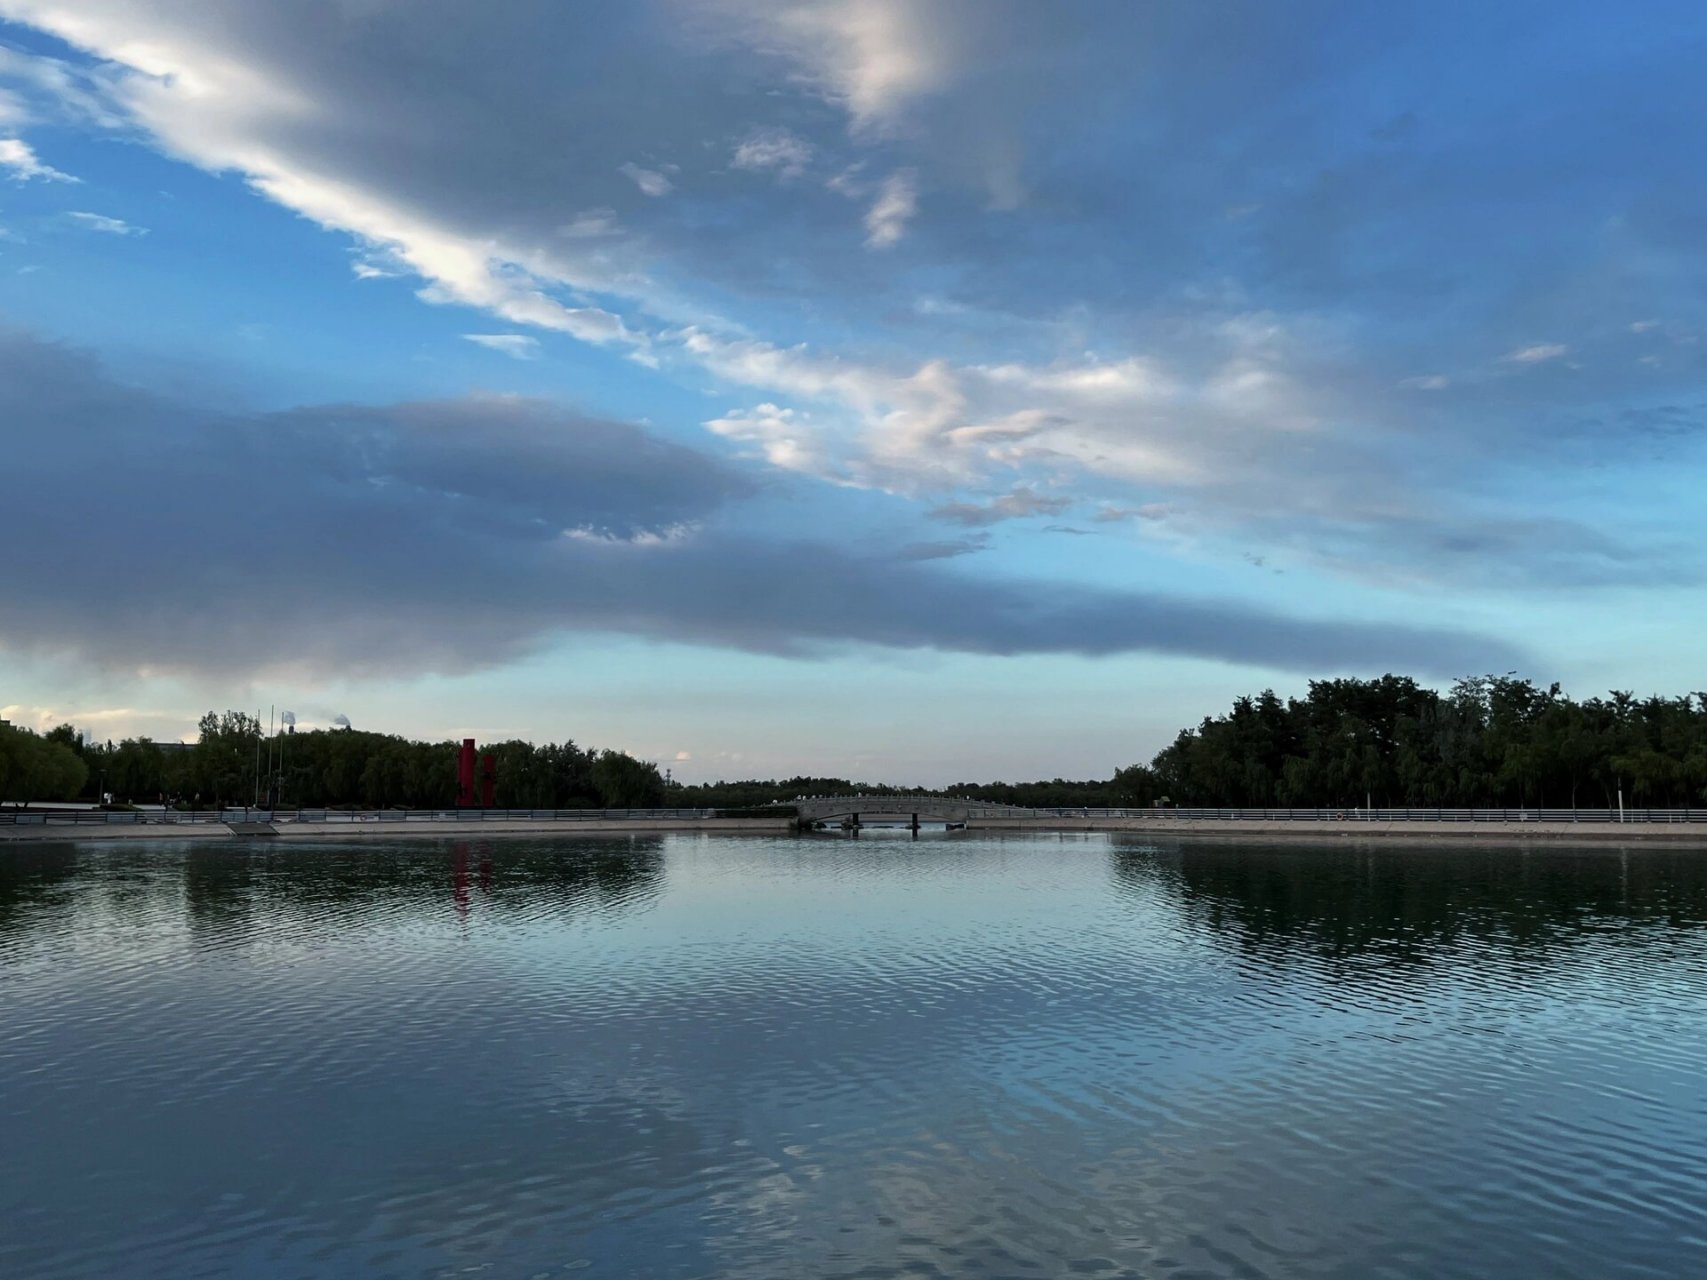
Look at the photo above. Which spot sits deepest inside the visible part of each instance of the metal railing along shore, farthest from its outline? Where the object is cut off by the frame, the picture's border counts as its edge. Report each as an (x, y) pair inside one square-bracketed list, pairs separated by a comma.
[(1514, 814), (120, 817)]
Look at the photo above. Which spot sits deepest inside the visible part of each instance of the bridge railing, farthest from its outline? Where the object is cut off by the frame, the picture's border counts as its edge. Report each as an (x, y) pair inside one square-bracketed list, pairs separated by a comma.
[(897, 804)]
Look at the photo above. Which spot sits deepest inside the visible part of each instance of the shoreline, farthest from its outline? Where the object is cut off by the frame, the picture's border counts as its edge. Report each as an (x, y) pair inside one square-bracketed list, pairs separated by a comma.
[(291, 831), (1671, 833), (1660, 833)]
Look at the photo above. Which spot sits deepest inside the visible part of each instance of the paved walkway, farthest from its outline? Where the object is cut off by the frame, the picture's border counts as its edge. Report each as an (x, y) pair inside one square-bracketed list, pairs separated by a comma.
[(1350, 829), (411, 830)]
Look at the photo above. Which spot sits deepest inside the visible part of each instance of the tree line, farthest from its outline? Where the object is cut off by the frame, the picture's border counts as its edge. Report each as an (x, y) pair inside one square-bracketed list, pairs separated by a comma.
[(41, 767), (1058, 793), (1488, 741), (233, 762)]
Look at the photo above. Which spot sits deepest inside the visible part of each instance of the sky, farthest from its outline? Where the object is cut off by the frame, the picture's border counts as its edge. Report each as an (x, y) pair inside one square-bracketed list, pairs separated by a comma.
[(914, 391)]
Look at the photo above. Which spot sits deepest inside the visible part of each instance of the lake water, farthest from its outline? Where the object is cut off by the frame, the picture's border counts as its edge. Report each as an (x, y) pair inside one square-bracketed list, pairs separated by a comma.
[(961, 1056)]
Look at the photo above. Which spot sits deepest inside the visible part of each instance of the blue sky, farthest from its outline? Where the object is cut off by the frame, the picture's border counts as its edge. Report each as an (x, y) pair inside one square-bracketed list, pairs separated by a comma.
[(913, 391)]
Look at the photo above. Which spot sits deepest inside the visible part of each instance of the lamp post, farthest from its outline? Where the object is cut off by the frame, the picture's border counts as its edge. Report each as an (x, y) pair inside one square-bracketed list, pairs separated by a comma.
[(287, 726), (1351, 735)]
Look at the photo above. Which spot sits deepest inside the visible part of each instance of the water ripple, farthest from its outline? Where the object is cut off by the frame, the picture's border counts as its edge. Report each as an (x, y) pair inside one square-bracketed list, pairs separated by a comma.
[(960, 1056)]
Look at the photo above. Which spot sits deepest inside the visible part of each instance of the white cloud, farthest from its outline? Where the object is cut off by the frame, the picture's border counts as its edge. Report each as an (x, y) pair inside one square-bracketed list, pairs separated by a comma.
[(784, 436), (518, 346), (21, 163), (549, 473), (589, 224), (471, 559), (373, 266), (218, 103), (870, 57), (650, 181), (944, 425), (1540, 353), (768, 149), (1213, 411), (1426, 382), (107, 226), (850, 181), (102, 723), (897, 201), (936, 426), (458, 269), (40, 87), (1022, 502), (1108, 513), (1644, 326)]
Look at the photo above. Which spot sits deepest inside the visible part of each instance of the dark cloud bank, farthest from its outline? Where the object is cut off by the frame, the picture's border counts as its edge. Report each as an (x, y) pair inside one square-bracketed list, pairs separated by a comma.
[(150, 534)]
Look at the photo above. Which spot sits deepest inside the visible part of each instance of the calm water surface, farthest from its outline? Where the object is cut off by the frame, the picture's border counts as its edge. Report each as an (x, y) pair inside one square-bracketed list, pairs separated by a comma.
[(682, 1057)]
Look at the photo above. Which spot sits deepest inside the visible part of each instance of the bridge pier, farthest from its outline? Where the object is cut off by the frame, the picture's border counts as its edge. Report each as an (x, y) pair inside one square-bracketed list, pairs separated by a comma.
[(915, 824)]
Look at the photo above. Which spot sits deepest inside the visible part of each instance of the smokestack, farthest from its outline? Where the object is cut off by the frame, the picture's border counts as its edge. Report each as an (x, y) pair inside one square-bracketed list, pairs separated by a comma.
[(465, 775)]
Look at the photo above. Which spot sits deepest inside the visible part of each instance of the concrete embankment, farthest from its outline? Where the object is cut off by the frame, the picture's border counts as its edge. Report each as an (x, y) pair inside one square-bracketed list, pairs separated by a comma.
[(1660, 833), (412, 830), (1678, 833)]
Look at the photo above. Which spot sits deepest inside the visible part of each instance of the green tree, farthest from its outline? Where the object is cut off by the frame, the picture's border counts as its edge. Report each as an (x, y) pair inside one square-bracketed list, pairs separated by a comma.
[(34, 768), (1491, 740), (222, 763), (627, 783), (134, 771)]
